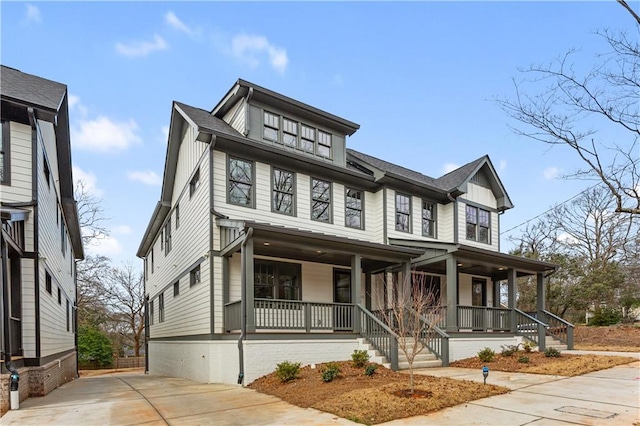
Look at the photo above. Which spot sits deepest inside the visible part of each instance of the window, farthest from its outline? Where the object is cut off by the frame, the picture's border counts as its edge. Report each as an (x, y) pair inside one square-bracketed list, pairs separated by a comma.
[(276, 280), (283, 197), (428, 219), (176, 288), (152, 260), (403, 213), (162, 240), (271, 126), (320, 200), (59, 296), (177, 216), (67, 314), (194, 276), (240, 182), (167, 237), (324, 144), (47, 173), (290, 132), (151, 313), (195, 183), (478, 224), (161, 307), (308, 139), (63, 238), (47, 282), (5, 171), (353, 209)]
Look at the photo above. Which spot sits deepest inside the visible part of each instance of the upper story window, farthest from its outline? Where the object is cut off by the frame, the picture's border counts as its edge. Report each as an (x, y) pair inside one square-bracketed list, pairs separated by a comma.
[(403, 213), (428, 219), (240, 182), (290, 132), (283, 198), (151, 313), (294, 134), (354, 208), (167, 237), (271, 126), (276, 280), (321, 200), (478, 224), (177, 216), (194, 276), (195, 183), (47, 282), (176, 288), (47, 173), (161, 307), (63, 238), (324, 144), (5, 171)]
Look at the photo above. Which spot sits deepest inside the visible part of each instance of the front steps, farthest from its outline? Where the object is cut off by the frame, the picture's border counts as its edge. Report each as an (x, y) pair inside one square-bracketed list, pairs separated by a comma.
[(424, 359), (552, 342)]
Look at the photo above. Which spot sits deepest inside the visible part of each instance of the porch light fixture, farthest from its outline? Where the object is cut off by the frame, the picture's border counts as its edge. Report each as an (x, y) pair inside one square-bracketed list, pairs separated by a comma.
[(319, 251), (459, 264), (266, 243), (502, 268), (485, 373)]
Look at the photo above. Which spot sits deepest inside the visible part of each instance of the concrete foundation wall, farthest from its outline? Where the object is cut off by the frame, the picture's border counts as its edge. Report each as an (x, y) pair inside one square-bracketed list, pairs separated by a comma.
[(468, 347)]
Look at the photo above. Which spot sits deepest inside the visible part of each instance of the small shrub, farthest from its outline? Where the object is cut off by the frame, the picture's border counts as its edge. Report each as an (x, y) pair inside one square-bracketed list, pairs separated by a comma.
[(509, 350), (287, 371), (360, 358), (486, 355), (528, 347), (330, 371), (370, 369), (605, 316), (552, 353), (523, 359)]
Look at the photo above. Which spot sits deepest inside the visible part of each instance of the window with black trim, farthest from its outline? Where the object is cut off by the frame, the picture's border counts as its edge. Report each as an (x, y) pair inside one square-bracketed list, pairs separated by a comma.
[(324, 144), (354, 208), (161, 307), (276, 280), (240, 182), (194, 276), (63, 238), (308, 139), (428, 219), (290, 132), (271, 126), (59, 296), (47, 282), (478, 224), (167, 237), (151, 312), (176, 288), (5, 153), (321, 200), (47, 173), (403, 213), (194, 183), (177, 216), (283, 188)]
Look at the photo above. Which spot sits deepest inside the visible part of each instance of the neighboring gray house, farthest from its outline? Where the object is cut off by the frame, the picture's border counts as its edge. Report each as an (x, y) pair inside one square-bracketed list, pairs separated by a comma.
[(40, 239), (272, 241)]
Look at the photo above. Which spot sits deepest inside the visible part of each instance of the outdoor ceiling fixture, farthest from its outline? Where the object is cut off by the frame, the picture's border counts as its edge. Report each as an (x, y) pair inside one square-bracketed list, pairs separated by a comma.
[(459, 264), (267, 243), (502, 268), (319, 251)]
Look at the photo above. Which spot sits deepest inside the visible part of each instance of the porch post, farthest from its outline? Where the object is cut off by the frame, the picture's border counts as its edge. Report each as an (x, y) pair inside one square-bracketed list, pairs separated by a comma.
[(541, 298), (367, 290), (452, 294), (247, 260), (356, 285), (406, 282), (511, 283), (496, 293)]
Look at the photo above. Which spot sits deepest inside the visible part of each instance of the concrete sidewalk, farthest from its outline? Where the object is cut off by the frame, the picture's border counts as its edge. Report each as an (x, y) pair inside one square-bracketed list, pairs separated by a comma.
[(607, 397)]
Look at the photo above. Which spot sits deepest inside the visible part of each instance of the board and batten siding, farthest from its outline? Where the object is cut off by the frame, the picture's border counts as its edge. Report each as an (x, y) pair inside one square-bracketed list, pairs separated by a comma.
[(302, 219), (190, 155), (47, 134), (20, 157), (235, 117)]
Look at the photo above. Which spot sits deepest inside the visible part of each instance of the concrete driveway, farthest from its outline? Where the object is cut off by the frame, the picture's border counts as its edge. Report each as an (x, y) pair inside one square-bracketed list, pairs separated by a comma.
[(607, 397)]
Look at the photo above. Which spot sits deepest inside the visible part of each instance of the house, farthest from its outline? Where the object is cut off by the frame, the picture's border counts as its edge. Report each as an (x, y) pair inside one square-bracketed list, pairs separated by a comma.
[(40, 239), (273, 241)]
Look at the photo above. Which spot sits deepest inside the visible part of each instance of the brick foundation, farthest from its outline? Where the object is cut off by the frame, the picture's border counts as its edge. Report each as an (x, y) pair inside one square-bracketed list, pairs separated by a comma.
[(39, 381)]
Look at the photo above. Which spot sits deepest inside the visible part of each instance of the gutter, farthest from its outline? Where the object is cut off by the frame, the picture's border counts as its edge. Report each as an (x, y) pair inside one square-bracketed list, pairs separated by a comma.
[(243, 307), (247, 115)]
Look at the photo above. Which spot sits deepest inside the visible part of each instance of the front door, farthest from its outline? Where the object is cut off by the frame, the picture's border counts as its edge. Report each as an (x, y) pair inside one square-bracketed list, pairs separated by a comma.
[(478, 300), (342, 316)]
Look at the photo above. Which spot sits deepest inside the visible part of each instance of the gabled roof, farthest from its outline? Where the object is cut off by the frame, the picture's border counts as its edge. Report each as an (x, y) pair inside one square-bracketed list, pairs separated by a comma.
[(388, 167), (204, 120), (456, 178), (31, 90)]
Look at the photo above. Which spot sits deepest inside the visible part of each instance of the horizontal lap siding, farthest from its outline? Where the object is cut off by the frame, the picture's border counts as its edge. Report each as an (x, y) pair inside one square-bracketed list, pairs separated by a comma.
[(415, 219), (262, 213), (462, 229), (445, 222), (189, 312), (28, 309)]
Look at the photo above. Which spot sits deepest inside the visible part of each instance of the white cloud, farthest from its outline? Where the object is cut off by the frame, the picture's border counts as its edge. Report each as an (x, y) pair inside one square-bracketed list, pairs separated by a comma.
[(141, 48), (88, 179), (165, 134), (76, 105), (551, 173), (122, 230), (106, 246), (250, 48), (175, 23), (104, 135), (502, 166), (33, 13), (567, 239), (148, 178), (449, 167)]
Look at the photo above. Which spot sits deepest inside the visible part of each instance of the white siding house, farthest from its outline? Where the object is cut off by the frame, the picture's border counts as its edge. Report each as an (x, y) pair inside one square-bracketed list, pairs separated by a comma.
[(288, 244), (40, 235)]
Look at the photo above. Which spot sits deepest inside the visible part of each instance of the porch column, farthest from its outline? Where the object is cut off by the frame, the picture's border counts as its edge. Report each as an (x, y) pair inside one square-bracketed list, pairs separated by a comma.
[(247, 265), (496, 293), (367, 290), (406, 282), (225, 293), (452, 294), (541, 297), (356, 285), (511, 284)]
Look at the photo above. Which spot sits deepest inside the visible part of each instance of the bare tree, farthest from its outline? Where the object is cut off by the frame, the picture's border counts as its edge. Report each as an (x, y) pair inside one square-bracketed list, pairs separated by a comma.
[(406, 315), (569, 106), (90, 213), (124, 295), (91, 305)]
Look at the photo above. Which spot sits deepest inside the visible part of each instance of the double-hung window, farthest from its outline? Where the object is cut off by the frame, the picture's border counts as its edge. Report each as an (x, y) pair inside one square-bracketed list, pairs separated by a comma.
[(151, 313), (283, 187), (290, 132), (241, 182), (324, 144), (276, 280), (194, 183), (308, 139), (403, 213), (354, 208), (194, 276), (161, 307), (5, 172), (167, 237), (428, 219), (271, 126), (478, 224), (321, 200)]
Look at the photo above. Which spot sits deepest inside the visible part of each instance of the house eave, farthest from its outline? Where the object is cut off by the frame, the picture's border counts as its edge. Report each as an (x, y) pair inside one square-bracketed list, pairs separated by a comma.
[(157, 219)]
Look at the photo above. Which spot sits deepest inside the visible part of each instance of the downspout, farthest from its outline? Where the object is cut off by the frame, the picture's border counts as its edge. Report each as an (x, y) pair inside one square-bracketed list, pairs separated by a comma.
[(247, 115), (15, 376), (243, 304), (36, 227)]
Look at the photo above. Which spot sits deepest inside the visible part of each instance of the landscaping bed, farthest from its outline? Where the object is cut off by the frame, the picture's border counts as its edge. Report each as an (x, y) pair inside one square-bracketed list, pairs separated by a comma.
[(618, 338)]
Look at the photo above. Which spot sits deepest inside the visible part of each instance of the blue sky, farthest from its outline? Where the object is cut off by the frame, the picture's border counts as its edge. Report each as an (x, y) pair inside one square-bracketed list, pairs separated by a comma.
[(419, 77)]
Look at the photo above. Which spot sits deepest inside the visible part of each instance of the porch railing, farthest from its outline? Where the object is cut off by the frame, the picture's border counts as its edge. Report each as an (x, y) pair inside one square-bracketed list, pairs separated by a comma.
[(531, 328), (432, 336), (484, 318), (381, 337), (233, 315), (558, 328)]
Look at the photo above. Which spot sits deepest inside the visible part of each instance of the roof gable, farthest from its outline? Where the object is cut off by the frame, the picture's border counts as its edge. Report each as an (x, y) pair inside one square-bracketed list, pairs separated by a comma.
[(31, 90)]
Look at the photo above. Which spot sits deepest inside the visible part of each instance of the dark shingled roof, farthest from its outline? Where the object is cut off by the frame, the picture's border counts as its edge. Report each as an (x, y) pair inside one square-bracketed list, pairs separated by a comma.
[(205, 121), (458, 176), (385, 166), (30, 89)]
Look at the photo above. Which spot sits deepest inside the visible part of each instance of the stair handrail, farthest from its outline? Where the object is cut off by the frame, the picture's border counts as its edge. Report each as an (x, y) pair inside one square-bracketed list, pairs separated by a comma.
[(568, 340), (390, 352), (542, 327), (442, 340)]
